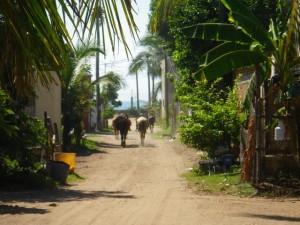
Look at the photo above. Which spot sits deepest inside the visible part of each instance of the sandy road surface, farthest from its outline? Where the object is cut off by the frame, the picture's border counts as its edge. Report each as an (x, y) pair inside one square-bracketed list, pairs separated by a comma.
[(138, 186)]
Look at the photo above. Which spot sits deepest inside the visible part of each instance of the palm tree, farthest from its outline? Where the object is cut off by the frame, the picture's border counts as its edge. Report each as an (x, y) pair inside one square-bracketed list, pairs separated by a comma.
[(247, 43), (144, 60), (21, 33), (149, 59), (77, 91), (159, 19), (34, 38), (157, 49)]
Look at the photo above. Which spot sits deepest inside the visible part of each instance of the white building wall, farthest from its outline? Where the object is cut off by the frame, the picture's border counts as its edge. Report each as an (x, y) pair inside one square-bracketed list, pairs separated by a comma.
[(49, 100)]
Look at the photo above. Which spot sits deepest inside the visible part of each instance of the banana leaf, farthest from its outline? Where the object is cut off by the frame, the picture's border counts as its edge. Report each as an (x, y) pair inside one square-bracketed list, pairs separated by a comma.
[(229, 62)]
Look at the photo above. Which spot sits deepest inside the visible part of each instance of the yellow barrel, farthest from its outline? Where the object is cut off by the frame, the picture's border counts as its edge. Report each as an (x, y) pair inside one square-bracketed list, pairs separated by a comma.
[(67, 157)]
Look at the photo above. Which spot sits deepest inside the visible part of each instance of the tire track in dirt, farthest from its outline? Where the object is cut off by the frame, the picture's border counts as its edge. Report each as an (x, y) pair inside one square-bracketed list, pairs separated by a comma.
[(151, 189), (159, 186)]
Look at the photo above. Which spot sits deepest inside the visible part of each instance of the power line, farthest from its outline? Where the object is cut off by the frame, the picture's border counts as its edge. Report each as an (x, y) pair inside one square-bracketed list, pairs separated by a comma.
[(117, 61)]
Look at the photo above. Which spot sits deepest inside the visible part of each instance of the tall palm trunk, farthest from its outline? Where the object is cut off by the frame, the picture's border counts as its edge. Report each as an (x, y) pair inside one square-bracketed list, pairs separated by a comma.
[(149, 92), (98, 111), (153, 95)]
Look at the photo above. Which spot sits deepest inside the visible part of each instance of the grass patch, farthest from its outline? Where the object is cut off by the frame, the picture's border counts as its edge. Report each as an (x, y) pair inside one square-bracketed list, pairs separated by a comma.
[(87, 146), (162, 132), (107, 129), (223, 183), (74, 178)]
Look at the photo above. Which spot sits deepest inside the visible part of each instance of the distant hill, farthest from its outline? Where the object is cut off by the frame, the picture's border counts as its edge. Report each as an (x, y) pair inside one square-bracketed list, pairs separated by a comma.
[(127, 104)]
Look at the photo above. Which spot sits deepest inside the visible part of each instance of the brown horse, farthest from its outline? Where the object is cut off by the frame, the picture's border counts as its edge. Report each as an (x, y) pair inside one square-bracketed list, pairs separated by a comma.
[(116, 132), (143, 124), (151, 120), (122, 124)]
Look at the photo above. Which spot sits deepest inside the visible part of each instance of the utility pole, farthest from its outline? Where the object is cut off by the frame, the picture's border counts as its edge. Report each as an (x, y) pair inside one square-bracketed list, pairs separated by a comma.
[(166, 91), (137, 92), (98, 101), (131, 101), (98, 105)]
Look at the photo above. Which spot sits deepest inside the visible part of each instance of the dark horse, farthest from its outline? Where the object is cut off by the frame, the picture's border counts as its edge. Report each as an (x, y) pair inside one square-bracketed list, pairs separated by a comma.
[(151, 120), (143, 124), (122, 123)]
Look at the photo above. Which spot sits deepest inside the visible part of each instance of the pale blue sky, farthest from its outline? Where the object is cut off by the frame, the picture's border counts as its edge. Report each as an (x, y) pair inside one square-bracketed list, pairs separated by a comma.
[(119, 62)]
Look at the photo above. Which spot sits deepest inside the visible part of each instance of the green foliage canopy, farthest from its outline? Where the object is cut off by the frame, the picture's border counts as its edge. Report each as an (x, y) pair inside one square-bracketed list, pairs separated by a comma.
[(213, 117)]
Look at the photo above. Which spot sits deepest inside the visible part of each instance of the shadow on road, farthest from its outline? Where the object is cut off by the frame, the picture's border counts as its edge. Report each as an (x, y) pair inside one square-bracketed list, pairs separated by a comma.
[(15, 209), (272, 217), (51, 197)]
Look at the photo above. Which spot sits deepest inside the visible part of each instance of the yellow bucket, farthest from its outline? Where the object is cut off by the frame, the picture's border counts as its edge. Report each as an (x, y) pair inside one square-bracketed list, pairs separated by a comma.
[(67, 157)]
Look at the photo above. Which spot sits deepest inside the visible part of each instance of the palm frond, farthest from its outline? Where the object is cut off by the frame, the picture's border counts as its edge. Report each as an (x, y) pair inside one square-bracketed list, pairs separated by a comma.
[(157, 89), (27, 24), (138, 63), (159, 19), (293, 35), (110, 78)]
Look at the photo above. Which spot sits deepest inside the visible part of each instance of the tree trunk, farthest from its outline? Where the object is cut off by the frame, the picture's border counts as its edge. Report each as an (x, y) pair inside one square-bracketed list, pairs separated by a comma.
[(153, 97), (166, 92), (149, 95), (137, 92), (66, 130), (258, 129)]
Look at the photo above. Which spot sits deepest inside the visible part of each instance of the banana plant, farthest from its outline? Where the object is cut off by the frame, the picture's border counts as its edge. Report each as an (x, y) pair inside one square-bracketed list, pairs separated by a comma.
[(245, 42)]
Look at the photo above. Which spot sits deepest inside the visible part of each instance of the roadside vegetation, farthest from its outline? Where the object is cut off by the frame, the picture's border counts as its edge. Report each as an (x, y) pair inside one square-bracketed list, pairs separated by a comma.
[(219, 184), (266, 39), (230, 183)]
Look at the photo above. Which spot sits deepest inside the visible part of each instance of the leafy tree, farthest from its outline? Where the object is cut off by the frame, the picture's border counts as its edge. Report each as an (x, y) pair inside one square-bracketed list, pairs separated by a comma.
[(29, 132), (187, 51), (170, 16), (7, 129), (246, 43), (213, 118), (109, 94)]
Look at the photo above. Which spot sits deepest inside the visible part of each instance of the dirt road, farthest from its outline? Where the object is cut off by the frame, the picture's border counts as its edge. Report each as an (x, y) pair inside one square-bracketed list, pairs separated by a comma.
[(138, 186)]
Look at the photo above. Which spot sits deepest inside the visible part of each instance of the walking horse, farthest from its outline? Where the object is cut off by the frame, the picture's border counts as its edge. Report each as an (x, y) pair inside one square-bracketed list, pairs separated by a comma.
[(122, 124), (151, 120), (142, 123)]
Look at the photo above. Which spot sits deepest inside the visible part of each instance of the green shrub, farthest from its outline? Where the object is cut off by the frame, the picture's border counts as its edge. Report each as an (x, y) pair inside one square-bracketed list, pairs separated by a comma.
[(108, 113), (31, 132), (213, 117)]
